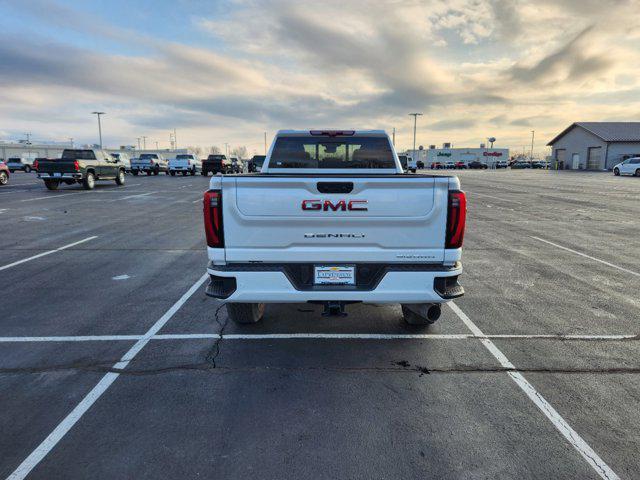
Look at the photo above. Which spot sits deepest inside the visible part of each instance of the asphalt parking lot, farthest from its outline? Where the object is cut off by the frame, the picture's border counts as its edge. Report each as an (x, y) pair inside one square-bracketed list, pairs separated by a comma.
[(114, 364)]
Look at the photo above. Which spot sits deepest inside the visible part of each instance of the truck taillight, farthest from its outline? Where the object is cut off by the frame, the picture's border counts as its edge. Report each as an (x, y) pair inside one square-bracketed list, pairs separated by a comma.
[(35, 165), (213, 218), (76, 166), (151, 162), (456, 219)]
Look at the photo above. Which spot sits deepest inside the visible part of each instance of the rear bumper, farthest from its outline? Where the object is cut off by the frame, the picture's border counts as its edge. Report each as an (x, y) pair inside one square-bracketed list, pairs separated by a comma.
[(62, 176), (259, 283)]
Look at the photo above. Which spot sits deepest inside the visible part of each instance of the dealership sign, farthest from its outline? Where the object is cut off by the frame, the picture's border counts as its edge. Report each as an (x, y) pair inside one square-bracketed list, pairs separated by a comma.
[(444, 154), (492, 154)]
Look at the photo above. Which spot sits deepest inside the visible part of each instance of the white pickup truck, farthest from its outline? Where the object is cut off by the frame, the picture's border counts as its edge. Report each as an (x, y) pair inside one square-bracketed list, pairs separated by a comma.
[(331, 219)]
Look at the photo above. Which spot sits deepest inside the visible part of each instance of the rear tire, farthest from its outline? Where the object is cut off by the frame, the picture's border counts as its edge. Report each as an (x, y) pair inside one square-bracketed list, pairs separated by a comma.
[(173, 174), (156, 171), (134, 172), (637, 174), (184, 174), (414, 319), (51, 184), (4, 178), (27, 169), (204, 173), (148, 173), (245, 313), (89, 181), (616, 172), (193, 171), (120, 178)]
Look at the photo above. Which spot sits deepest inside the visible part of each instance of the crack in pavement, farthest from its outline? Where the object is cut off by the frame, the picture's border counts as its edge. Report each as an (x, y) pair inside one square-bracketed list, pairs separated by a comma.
[(214, 352)]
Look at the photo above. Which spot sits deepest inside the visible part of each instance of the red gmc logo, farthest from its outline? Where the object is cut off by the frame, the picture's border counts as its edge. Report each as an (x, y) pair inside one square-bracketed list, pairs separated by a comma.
[(343, 205)]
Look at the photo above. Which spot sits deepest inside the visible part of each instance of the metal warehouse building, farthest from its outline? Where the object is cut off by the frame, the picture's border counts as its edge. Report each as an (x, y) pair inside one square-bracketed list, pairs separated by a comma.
[(595, 145)]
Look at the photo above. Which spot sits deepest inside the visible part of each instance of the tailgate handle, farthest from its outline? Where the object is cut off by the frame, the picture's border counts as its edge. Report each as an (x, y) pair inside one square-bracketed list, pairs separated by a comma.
[(335, 187)]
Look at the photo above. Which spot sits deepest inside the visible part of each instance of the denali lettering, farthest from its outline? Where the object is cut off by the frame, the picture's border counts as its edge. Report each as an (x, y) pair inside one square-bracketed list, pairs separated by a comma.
[(343, 205), (334, 235)]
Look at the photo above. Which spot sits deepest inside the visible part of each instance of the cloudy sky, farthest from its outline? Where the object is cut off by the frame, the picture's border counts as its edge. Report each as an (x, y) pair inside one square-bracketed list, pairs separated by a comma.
[(227, 71)]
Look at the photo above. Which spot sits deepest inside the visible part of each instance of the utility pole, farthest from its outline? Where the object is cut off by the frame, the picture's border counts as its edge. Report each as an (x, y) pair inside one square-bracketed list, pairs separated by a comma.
[(226, 150), (265, 143), (29, 143), (71, 141), (99, 125), (157, 146), (138, 143), (144, 142), (533, 134), (415, 120), (175, 140), (394, 136)]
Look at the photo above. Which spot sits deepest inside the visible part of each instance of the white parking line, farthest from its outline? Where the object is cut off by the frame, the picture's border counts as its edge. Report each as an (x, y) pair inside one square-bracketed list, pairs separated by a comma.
[(49, 252), (316, 336), (591, 457), (53, 195), (136, 196), (626, 270), (61, 430)]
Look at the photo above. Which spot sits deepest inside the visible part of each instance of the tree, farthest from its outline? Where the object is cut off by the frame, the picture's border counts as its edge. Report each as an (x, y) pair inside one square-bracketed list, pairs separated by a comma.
[(214, 150), (240, 152)]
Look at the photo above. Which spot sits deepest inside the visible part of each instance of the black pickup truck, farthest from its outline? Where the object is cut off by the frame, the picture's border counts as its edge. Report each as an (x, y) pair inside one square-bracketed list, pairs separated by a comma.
[(80, 166), (215, 163)]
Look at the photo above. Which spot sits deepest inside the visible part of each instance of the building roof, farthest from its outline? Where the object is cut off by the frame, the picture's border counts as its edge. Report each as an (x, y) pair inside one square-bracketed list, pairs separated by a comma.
[(606, 131)]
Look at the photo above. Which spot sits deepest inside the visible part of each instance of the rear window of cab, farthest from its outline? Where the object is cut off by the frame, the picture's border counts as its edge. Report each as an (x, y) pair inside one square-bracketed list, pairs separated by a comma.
[(331, 153)]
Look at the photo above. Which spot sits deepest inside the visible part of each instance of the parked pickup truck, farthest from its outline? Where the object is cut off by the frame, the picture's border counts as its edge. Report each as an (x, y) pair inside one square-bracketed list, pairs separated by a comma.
[(185, 163), (332, 219), (215, 163), (80, 166), (149, 163)]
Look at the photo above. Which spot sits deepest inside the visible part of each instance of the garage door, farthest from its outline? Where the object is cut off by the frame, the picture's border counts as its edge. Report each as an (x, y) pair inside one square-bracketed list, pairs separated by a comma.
[(594, 160)]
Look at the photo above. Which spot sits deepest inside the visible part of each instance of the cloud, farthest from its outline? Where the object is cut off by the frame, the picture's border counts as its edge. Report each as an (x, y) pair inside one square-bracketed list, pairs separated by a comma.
[(455, 124)]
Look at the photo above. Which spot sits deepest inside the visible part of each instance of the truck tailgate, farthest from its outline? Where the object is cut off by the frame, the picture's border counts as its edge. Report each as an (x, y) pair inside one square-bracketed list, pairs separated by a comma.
[(387, 218)]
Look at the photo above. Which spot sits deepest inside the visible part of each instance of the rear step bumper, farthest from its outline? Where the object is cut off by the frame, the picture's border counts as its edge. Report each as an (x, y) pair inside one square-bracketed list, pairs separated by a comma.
[(269, 283)]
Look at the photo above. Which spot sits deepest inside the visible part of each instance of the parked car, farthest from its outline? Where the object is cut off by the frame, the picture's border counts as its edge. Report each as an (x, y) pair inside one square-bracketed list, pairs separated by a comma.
[(150, 163), (17, 163), (478, 165), (255, 164), (235, 165), (502, 164), (5, 173), (123, 159), (420, 165), (84, 166), (403, 163), (519, 165), (185, 163), (539, 164), (460, 165), (631, 166), (215, 163), (333, 243), (437, 165), (412, 165)]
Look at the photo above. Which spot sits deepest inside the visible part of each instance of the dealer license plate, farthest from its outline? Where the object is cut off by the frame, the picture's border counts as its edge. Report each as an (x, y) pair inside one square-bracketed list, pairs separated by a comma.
[(334, 275), (57, 174)]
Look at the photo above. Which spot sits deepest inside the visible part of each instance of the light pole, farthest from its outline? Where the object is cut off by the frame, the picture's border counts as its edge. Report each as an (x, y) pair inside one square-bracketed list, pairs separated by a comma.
[(71, 141), (265, 143), (138, 138), (175, 139), (533, 134), (415, 120), (99, 125), (226, 150), (157, 146), (144, 142), (29, 143)]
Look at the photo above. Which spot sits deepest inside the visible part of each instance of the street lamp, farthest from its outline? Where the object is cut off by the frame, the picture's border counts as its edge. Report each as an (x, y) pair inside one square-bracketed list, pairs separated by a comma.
[(415, 119), (99, 125), (533, 134)]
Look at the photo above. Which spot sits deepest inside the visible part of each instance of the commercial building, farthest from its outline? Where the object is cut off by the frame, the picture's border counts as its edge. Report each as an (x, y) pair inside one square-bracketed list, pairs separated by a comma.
[(448, 153), (595, 145), (32, 150)]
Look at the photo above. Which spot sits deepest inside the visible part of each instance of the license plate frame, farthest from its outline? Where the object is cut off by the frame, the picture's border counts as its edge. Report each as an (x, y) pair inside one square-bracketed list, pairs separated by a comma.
[(334, 275)]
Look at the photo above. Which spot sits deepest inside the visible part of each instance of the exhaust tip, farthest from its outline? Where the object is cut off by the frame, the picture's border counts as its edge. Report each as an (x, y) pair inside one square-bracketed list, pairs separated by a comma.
[(433, 312)]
